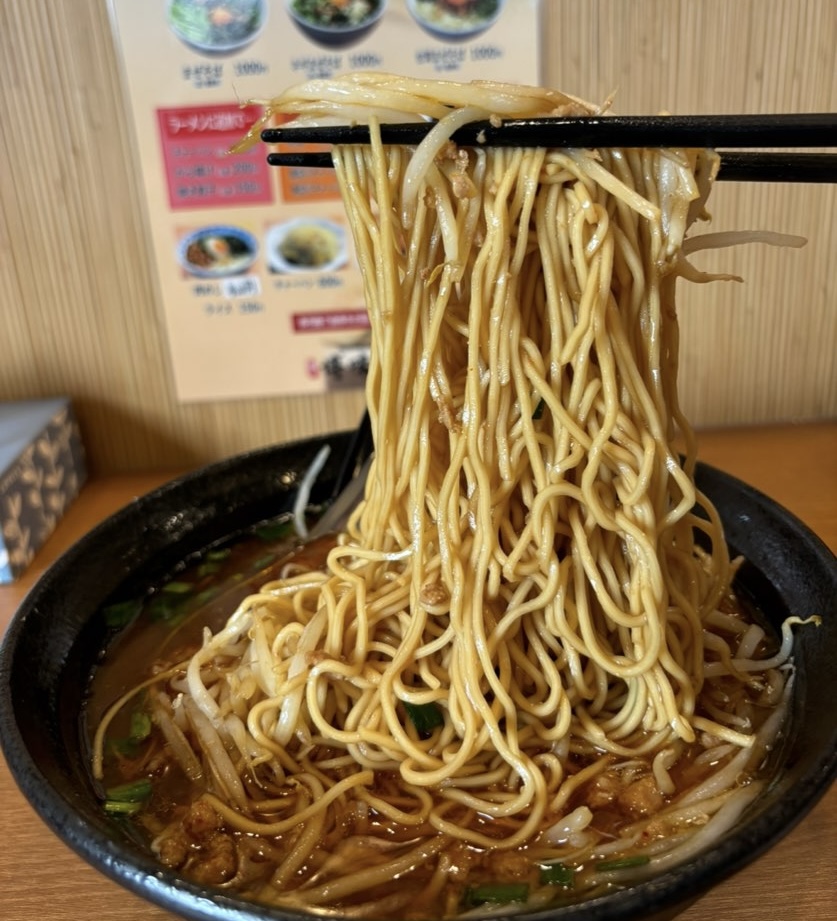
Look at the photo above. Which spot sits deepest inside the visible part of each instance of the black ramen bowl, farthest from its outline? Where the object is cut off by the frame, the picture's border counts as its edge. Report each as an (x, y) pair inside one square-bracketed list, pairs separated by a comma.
[(56, 639)]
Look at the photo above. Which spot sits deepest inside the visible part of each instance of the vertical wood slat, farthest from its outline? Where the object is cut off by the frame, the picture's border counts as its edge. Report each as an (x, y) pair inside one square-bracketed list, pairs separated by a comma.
[(79, 309)]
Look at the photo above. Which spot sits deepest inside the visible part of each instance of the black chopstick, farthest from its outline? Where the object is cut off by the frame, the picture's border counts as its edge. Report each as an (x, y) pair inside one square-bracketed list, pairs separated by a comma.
[(717, 131), (736, 166), (740, 166)]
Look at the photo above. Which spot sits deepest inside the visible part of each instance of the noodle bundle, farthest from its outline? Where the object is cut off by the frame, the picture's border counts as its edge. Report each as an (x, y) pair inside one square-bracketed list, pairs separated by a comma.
[(528, 625)]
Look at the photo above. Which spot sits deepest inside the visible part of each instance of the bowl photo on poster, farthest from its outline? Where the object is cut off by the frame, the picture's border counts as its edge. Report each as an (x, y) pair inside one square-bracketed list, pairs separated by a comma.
[(306, 245), (217, 27), (336, 23), (455, 20), (218, 251)]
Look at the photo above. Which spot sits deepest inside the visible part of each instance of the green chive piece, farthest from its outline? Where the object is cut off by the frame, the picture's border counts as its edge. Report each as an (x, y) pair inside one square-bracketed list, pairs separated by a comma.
[(263, 561), (122, 613), (539, 409), (140, 726), (275, 530), (208, 568), (178, 588), (557, 874), (160, 608), (206, 595), (125, 748), (115, 807), (497, 893), (217, 555), (133, 792), (425, 717), (168, 608), (623, 863)]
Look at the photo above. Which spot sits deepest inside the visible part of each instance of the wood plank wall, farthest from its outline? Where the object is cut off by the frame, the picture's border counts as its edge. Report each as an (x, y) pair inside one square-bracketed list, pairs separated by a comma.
[(79, 311)]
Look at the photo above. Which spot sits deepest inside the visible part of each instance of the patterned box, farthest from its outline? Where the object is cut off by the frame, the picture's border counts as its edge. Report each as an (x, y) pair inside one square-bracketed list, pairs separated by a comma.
[(42, 468)]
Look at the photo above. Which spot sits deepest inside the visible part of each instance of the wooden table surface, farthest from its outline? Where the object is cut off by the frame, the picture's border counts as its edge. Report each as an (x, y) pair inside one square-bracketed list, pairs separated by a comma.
[(796, 465)]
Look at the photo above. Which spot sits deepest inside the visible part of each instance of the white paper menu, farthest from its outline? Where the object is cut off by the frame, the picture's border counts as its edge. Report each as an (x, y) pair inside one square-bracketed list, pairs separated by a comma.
[(257, 276)]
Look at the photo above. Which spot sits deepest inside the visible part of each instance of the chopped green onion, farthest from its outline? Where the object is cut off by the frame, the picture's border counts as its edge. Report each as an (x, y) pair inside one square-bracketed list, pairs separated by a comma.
[(275, 530), (122, 613), (557, 874), (497, 893), (263, 561), (221, 554), (134, 792), (539, 409), (116, 807), (126, 748), (425, 717), (178, 588), (206, 595), (140, 726), (623, 863), (208, 568), (169, 608)]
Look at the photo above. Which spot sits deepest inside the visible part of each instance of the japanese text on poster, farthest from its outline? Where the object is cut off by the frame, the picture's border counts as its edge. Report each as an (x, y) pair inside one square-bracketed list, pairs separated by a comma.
[(256, 270)]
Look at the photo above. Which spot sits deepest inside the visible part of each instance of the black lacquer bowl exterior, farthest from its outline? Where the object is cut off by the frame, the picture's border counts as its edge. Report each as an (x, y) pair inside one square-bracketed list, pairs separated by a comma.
[(57, 636)]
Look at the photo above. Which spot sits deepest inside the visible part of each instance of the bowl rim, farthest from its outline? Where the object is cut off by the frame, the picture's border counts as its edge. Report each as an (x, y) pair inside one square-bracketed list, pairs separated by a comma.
[(143, 876)]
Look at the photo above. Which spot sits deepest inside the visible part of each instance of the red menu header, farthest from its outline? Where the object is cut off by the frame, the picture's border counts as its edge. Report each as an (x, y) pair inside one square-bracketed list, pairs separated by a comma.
[(200, 170)]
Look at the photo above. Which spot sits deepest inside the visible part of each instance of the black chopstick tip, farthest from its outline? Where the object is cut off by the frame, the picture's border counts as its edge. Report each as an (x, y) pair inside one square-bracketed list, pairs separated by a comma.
[(777, 167), (315, 160)]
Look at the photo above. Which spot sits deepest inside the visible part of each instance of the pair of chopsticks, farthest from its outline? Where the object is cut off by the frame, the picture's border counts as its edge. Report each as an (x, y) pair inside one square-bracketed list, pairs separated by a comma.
[(719, 132)]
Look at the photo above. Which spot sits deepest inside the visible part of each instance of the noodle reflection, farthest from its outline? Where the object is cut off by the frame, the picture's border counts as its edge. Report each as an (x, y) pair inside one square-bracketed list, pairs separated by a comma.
[(522, 661)]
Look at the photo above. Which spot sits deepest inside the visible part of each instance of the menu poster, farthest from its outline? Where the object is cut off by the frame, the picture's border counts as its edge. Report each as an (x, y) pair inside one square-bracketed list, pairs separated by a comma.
[(258, 279)]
